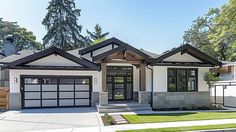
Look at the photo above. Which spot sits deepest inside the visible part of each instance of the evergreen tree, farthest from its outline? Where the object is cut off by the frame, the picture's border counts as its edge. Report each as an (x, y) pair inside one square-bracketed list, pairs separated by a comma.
[(61, 24), (97, 36)]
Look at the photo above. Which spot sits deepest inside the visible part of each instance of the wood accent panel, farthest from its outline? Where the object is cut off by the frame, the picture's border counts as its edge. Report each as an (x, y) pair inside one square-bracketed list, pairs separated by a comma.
[(104, 77), (142, 77), (4, 98)]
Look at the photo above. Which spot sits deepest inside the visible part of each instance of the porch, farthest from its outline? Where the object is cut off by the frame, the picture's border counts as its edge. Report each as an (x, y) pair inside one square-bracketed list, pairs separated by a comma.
[(124, 76)]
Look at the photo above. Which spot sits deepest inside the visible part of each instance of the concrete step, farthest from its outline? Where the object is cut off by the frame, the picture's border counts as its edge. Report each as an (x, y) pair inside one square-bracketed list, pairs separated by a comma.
[(129, 107), (119, 106), (124, 110)]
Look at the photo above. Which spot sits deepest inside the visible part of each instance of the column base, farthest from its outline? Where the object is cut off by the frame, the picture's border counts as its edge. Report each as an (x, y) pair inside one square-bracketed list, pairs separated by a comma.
[(103, 98), (144, 97)]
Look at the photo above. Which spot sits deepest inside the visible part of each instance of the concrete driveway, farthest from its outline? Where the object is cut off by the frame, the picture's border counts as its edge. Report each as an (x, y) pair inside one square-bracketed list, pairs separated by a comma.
[(63, 119)]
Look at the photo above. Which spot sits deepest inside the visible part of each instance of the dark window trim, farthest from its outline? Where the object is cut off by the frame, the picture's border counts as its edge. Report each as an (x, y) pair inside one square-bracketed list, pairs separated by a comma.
[(187, 77)]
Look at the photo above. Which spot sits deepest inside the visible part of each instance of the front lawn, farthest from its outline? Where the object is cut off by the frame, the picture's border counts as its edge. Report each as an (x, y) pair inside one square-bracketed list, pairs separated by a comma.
[(152, 118), (183, 129)]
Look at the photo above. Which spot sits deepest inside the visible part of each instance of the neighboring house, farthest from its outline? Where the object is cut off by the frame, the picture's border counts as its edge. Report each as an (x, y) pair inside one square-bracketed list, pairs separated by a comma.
[(224, 91), (106, 72), (228, 71)]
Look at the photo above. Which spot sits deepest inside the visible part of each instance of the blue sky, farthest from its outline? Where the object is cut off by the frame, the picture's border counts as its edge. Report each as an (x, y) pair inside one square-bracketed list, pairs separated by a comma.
[(154, 25)]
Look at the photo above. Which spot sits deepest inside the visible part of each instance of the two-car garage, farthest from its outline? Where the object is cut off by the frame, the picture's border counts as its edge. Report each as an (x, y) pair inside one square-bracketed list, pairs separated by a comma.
[(56, 91)]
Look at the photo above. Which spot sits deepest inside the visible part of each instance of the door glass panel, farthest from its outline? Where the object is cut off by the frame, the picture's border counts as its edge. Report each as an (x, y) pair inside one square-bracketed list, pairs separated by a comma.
[(109, 87), (119, 79), (129, 91), (119, 94)]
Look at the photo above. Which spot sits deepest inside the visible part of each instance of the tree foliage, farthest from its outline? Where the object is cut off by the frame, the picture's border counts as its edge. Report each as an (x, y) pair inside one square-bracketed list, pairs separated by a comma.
[(215, 32), (97, 35), (23, 38), (61, 24), (211, 77)]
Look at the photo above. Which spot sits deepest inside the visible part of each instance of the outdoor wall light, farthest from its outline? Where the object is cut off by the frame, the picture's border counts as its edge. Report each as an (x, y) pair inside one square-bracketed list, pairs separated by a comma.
[(15, 80), (95, 80)]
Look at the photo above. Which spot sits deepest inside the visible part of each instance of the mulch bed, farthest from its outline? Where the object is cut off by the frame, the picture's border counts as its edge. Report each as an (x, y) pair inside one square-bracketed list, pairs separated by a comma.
[(107, 124)]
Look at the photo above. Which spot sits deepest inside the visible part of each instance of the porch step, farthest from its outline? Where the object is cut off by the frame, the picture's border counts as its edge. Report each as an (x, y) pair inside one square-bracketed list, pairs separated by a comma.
[(129, 107)]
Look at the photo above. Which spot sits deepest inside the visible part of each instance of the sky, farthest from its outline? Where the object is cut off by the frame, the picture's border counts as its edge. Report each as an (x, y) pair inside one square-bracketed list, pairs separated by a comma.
[(154, 25)]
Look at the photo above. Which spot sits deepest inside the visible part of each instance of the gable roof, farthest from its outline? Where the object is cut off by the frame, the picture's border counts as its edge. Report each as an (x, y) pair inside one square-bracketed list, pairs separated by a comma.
[(121, 46), (107, 42), (50, 51), (191, 51)]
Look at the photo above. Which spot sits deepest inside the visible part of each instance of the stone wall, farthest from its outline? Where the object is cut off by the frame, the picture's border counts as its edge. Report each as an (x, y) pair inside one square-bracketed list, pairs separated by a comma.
[(14, 101), (144, 97), (95, 98), (180, 99)]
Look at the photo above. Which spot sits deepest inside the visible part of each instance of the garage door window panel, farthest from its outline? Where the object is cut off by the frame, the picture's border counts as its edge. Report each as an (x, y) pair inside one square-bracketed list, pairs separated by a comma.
[(56, 91)]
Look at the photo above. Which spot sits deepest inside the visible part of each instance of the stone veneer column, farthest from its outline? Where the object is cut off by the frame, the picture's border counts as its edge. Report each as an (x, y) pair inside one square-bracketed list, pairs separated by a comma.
[(103, 96)]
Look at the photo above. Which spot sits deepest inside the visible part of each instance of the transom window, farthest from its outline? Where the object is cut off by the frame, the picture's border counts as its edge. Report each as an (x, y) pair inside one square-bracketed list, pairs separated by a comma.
[(182, 80)]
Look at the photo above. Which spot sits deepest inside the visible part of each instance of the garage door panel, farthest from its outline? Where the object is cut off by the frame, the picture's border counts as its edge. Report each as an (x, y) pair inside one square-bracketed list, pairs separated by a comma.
[(32, 103), (56, 91), (66, 95), (32, 95), (49, 87), (32, 87), (49, 95), (82, 87), (82, 102), (66, 87), (49, 103), (66, 102), (81, 94)]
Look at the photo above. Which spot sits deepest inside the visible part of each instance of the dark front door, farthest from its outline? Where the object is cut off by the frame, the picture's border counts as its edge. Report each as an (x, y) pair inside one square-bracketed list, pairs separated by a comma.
[(120, 82)]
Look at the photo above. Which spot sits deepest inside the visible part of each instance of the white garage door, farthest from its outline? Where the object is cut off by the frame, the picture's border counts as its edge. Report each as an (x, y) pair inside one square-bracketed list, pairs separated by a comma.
[(56, 91)]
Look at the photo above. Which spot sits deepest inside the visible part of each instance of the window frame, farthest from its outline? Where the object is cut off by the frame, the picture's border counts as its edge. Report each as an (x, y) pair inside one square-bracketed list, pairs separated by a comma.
[(188, 75)]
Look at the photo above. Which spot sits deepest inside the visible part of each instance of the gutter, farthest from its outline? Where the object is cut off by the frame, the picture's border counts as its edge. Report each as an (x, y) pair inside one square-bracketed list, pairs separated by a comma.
[(151, 85)]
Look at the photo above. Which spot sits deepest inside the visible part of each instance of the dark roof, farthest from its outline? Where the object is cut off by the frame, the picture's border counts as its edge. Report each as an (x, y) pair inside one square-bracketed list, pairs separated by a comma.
[(190, 50), (53, 50)]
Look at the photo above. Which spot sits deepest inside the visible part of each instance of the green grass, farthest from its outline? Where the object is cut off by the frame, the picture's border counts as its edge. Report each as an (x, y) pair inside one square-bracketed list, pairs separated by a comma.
[(151, 118), (183, 129)]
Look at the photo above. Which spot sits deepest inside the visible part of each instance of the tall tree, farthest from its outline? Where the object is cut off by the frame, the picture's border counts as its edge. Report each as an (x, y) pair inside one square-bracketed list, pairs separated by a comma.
[(23, 38), (61, 24), (224, 26), (197, 35), (97, 35), (215, 32)]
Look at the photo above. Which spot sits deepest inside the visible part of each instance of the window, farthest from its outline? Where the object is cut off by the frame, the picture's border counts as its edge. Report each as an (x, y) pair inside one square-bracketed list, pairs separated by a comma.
[(182, 80)]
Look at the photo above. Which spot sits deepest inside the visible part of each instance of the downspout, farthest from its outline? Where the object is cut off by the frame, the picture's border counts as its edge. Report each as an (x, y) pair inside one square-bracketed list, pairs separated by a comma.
[(151, 85)]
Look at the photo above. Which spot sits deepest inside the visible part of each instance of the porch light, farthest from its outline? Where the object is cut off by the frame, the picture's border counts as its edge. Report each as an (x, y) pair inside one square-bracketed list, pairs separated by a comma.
[(83, 81), (95, 80), (15, 80)]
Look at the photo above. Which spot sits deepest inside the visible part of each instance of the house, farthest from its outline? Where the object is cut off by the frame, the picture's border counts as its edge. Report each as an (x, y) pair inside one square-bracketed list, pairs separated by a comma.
[(228, 71), (107, 72)]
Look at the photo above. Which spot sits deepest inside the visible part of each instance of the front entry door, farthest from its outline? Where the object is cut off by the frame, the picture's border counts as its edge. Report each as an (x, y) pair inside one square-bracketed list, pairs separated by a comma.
[(120, 83)]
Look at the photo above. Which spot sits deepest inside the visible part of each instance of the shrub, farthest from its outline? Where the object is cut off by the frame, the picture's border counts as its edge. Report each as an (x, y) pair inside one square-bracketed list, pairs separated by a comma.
[(109, 119)]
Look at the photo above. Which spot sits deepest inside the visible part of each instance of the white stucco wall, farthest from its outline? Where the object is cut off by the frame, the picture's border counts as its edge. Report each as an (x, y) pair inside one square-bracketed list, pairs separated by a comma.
[(15, 87), (53, 60), (102, 50), (182, 58), (148, 80), (160, 78)]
